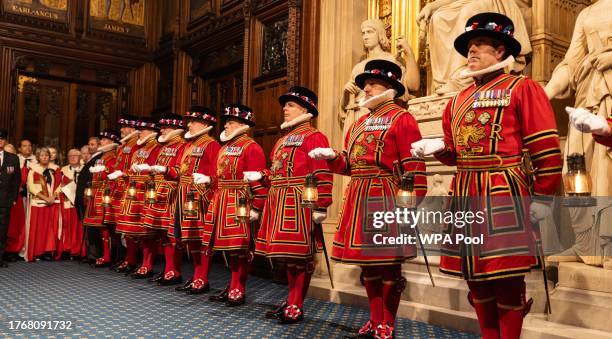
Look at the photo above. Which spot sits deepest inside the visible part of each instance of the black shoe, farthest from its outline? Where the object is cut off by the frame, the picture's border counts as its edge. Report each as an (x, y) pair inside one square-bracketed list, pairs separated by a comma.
[(221, 296), (142, 275), (157, 278), (237, 302), (3, 264), (184, 287), (277, 311), (117, 265), (172, 281), (46, 257), (202, 289)]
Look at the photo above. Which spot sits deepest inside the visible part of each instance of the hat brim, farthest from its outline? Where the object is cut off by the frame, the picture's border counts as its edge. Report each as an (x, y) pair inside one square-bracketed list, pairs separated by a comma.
[(244, 121), (398, 86), (170, 125), (513, 47), (283, 99)]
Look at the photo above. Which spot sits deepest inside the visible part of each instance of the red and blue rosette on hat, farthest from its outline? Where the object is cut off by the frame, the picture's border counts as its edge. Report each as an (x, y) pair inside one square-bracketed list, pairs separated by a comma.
[(241, 113)]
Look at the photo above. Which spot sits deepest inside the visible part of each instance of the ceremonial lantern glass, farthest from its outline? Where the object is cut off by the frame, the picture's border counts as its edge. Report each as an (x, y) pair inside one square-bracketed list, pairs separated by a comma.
[(150, 194), (406, 197), (106, 199), (88, 191), (242, 210), (190, 206), (131, 191), (310, 194), (577, 183)]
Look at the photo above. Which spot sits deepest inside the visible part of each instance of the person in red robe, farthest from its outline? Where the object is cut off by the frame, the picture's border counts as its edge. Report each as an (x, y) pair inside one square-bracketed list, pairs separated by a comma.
[(43, 183), (490, 128), (288, 231), (223, 231), (197, 172), (71, 236)]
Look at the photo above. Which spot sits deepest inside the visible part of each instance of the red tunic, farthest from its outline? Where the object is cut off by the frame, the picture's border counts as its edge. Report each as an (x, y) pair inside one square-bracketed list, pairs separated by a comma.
[(235, 157), (15, 238), (72, 229), (129, 221), (199, 156), (44, 219), (485, 140), (160, 215), (95, 214), (605, 140), (374, 143), (286, 228), (122, 163)]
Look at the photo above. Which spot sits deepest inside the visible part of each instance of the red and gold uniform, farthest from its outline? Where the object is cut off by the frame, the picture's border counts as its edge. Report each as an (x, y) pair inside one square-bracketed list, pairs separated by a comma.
[(15, 237), (198, 157), (95, 214), (71, 238), (122, 163), (129, 221), (287, 229), (222, 230), (376, 145), (487, 126)]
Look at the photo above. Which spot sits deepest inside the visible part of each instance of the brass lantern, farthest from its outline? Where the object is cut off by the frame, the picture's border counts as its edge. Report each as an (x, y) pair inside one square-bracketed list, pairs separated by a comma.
[(310, 194), (406, 197), (190, 206), (88, 191), (242, 210), (131, 191), (106, 199), (150, 194), (577, 183)]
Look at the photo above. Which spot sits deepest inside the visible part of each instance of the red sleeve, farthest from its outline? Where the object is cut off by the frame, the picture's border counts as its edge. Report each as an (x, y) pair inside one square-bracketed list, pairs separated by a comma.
[(447, 156), (153, 155), (256, 162), (540, 137), (341, 164), (320, 169), (605, 140), (174, 166), (407, 132), (208, 164)]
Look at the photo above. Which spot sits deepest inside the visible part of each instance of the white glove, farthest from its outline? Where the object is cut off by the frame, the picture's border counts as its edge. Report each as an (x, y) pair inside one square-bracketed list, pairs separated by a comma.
[(587, 122), (538, 211), (115, 175), (425, 147), (158, 169), (318, 216), (97, 169), (141, 168), (200, 179), (320, 153), (251, 176), (253, 215)]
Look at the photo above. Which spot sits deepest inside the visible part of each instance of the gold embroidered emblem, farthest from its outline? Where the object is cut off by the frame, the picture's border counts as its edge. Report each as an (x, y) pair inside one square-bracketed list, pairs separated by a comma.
[(469, 116), (484, 118), (470, 134)]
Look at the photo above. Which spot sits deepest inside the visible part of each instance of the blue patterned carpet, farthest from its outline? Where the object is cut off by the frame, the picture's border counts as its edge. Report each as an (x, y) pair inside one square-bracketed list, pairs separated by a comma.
[(100, 303)]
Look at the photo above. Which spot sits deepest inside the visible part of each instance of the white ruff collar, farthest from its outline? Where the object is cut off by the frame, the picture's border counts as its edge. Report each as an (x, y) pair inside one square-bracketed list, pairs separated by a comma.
[(172, 134), (238, 131), (466, 73), (188, 135), (297, 120), (378, 99), (129, 136), (104, 149), (140, 142)]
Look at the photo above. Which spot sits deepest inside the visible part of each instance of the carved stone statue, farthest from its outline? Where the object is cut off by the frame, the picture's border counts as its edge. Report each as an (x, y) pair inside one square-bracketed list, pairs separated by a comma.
[(586, 71), (376, 46), (441, 21)]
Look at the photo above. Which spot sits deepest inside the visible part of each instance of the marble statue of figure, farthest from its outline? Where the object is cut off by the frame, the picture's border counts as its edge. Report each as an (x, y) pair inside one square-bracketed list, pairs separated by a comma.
[(441, 21), (586, 71), (376, 46)]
